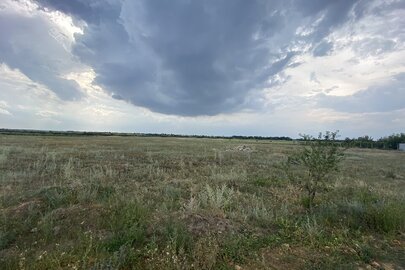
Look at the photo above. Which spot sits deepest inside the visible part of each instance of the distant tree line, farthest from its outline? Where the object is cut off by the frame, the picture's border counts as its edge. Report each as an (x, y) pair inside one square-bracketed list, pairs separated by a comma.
[(388, 142), (91, 133), (33, 132)]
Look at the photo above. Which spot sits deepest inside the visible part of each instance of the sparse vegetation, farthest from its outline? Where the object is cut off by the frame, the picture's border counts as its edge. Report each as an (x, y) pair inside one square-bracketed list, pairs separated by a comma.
[(94, 202), (315, 161)]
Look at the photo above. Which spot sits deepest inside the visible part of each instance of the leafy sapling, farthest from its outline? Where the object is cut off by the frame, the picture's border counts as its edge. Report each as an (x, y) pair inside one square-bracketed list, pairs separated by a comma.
[(314, 163)]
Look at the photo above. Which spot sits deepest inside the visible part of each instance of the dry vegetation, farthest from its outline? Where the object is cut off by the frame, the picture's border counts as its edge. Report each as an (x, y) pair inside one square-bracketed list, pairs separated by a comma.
[(171, 203)]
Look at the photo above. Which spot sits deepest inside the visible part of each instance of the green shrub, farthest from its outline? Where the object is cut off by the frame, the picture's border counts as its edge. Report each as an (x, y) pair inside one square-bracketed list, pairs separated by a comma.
[(216, 197), (6, 238), (365, 253), (55, 197), (367, 211), (316, 160), (95, 191), (386, 216), (238, 247), (127, 225), (177, 235)]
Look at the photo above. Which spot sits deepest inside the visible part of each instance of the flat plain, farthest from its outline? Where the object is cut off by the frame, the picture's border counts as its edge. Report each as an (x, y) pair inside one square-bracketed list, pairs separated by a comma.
[(77, 202)]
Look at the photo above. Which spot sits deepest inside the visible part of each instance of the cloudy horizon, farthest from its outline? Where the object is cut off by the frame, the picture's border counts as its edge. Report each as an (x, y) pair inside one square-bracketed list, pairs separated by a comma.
[(265, 68)]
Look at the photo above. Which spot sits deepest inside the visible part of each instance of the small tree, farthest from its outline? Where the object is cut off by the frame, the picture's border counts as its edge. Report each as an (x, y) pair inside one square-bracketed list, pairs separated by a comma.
[(316, 160)]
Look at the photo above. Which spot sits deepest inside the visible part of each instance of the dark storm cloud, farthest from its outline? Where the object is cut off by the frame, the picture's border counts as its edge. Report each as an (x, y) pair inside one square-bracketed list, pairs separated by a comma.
[(386, 97), (196, 57), (36, 53)]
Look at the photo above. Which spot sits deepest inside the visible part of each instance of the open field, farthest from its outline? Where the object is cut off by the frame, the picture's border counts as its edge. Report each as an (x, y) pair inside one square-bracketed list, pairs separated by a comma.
[(171, 203)]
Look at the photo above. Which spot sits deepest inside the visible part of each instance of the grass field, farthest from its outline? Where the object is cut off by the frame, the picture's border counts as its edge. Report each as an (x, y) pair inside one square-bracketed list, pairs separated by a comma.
[(171, 203)]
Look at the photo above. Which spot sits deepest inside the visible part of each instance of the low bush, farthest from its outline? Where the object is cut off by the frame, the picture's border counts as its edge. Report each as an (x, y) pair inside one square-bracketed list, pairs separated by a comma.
[(216, 197), (126, 221), (367, 211)]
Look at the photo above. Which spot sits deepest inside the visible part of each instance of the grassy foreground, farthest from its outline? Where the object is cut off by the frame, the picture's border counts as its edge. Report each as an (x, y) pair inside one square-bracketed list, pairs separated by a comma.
[(172, 203)]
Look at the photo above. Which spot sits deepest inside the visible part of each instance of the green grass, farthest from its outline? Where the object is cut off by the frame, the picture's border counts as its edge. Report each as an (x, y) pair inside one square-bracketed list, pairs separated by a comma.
[(174, 203)]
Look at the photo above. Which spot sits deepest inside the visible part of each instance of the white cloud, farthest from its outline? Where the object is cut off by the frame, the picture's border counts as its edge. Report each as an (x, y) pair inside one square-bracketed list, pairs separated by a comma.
[(3, 108)]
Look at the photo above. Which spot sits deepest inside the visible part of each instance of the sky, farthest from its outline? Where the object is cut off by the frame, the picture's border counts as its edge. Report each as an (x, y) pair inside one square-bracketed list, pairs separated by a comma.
[(210, 67)]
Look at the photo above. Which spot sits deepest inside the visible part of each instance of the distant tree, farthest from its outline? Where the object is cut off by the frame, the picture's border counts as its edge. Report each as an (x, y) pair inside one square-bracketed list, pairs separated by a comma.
[(314, 163), (364, 142), (349, 142), (392, 141)]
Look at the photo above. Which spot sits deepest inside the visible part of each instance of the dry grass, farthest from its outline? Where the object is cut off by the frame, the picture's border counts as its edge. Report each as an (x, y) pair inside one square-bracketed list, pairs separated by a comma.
[(171, 203)]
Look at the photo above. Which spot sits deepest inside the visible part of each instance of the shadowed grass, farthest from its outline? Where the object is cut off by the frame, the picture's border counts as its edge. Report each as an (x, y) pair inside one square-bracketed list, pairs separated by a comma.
[(170, 203)]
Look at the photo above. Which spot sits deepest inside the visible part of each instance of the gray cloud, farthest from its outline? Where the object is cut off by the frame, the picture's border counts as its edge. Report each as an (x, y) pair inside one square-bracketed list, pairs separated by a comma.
[(333, 13), (186, 58), (193, 57), (373, 46), (323, 48), (30, 44), (385, 97), (91, 11)]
